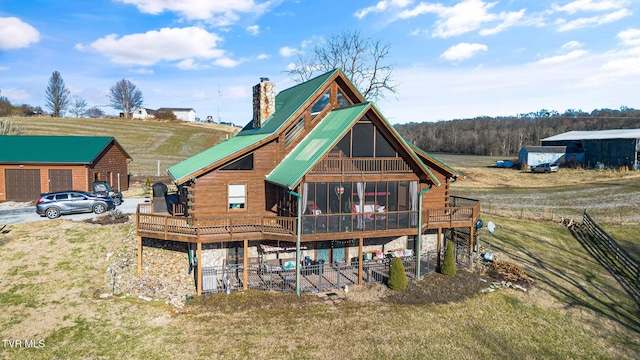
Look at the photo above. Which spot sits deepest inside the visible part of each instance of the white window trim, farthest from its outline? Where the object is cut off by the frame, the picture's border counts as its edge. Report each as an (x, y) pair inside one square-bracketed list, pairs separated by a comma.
[(236, 194)]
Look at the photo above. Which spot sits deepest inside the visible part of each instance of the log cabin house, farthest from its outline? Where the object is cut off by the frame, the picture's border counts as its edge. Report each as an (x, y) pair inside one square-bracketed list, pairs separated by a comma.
[(318, 171)]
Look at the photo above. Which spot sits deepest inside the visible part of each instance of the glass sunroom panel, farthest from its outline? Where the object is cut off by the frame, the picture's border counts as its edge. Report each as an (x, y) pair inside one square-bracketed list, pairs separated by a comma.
[(363, 139), (383, 147)]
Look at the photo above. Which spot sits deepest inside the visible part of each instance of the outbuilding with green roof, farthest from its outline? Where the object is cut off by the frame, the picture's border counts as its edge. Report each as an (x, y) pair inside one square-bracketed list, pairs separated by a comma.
[(31, 165)]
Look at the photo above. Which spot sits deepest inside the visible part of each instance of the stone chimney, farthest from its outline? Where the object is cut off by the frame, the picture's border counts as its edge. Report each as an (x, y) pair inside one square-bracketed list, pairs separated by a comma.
[(264, 101)]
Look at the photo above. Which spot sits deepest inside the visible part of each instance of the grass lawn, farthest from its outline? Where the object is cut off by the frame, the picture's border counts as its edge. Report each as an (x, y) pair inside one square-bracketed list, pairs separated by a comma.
[(54, 272)]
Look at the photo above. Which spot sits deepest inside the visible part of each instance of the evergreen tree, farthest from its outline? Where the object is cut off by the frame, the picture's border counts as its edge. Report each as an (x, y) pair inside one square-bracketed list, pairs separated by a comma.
[(397, 277), (449, 266)]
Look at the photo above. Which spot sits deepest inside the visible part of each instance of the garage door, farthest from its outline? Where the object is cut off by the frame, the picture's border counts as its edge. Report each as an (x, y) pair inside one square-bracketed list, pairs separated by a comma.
[(22, 185), (60, 180)]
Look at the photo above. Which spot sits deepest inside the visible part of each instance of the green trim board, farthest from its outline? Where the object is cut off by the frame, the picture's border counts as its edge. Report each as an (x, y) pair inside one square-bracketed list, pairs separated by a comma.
[(53, 149)]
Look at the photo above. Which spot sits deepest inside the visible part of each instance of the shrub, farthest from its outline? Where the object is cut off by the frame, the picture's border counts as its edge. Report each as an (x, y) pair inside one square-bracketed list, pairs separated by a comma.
[(397, 277), (449, 265)]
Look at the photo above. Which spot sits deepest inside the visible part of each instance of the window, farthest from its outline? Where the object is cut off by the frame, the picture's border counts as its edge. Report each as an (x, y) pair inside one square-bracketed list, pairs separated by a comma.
[(237, 196), (293, 134), (245, 163), (364, 133), (342, 100), (383, 147), (76, 196), (320, 104)]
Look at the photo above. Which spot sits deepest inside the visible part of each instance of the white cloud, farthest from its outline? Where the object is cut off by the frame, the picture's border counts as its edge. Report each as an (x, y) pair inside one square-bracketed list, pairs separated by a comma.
[(167, 44), (4, 68), (563, 58), (263, 57), (630, 37), (510, 19), (190, 64), (572, 45), (590, 5), (382, 6), (218, 12), (463, 17), (16, 95), (16, 34), (288, 51), (463, 51), (419, 32), (253, 30), (226, 62), (593, 21), (142, 71)]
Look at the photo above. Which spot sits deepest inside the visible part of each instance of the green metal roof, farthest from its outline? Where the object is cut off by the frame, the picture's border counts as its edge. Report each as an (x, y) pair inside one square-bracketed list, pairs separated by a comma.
[(185, 168), (52, 149), (313, 147), (288, 102)]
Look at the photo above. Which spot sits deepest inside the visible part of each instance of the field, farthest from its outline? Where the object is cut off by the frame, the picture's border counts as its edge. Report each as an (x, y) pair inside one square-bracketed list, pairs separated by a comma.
[(56, 290), (152, 144)]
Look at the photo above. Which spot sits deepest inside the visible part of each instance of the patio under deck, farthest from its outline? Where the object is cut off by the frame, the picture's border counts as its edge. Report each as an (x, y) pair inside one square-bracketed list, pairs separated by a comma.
[(219, 229)]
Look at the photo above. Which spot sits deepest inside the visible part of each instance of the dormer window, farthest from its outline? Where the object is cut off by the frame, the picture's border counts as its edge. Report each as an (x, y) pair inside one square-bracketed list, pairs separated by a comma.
[(320, 104), (245, 163)]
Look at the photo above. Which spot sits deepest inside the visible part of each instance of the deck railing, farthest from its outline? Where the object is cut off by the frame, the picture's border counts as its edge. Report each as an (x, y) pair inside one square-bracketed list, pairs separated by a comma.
[(167, 224), (361, 165), (446, 217)]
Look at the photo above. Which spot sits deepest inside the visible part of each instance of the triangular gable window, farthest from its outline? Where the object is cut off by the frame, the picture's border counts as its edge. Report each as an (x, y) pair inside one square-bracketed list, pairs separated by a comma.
[(342, 100), (364, 140), (320, 104)]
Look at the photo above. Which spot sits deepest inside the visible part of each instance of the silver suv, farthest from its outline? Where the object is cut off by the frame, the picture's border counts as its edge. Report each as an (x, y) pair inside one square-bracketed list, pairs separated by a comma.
[(54, 204), (544, 168)]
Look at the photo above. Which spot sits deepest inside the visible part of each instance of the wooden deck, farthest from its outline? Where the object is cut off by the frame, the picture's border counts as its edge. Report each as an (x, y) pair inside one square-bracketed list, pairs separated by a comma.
[(222, 229)]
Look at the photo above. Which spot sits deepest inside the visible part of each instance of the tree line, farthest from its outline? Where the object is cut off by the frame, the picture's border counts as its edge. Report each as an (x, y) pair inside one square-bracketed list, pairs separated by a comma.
[(505, 136), (123, 96)]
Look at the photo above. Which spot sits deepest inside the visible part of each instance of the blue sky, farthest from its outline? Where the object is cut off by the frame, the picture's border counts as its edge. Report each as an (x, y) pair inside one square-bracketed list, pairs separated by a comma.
[(452, 59)]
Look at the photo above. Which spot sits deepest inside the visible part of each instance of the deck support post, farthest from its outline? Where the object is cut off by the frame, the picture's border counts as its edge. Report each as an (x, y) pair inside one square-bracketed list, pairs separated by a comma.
[(360, 245), (418, 242), (298, 234), (199, 256), (438, 249), (139, 255), (471, 235), (245, 266)]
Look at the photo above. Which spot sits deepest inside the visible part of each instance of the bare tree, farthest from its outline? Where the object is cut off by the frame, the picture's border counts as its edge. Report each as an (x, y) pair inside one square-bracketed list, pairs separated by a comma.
[(361, 59), (125, 96), (57, 95), (94, 112), (78, 105)]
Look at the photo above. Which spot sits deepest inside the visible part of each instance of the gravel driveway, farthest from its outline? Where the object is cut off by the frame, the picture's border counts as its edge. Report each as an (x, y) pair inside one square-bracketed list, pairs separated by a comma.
[(15, 213)]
